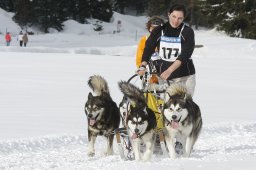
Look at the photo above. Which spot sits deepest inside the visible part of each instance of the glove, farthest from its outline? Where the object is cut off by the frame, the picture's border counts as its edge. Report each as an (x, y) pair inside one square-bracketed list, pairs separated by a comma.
[(141, 68)]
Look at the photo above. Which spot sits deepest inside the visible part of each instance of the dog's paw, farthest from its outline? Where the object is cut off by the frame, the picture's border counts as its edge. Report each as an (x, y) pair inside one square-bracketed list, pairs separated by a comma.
[(91, 154), (173, 155), (137, 159), (107, 153), (186, 155), (147, 156), (145, 159)]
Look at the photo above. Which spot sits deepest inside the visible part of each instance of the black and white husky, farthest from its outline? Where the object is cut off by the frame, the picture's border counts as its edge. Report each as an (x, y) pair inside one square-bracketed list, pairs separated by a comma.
[(102, 113), (182, 120), (140, 121)]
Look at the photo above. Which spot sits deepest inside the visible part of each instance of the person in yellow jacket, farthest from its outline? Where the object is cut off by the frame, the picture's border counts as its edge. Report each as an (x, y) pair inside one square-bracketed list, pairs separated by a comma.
[(150, 25)]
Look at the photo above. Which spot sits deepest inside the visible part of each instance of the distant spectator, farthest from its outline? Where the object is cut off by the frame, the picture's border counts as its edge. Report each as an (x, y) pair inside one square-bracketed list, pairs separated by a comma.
[(8, 39), (25, 39), (20, 38)]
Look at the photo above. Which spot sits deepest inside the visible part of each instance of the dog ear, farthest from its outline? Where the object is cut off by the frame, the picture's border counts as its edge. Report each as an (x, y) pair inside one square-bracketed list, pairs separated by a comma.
[(167, 97), (145, 111), (90, 95), (185, 96)]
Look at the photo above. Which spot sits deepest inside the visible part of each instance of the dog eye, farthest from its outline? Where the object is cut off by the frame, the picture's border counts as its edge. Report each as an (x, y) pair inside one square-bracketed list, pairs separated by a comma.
[(171, 109), (141, 123), (179, 109)]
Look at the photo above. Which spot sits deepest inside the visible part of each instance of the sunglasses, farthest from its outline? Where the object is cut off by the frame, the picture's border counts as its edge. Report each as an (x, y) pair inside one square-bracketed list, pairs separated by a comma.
[(156, 23)]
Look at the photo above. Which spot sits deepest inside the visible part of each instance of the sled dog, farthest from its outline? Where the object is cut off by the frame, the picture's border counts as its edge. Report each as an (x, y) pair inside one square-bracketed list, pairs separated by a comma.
[(102, 114), (124, 107), (140, 121), (182, 119)]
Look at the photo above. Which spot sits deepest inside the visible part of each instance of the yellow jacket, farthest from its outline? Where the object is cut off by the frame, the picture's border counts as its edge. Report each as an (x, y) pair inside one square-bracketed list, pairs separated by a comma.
[(140, 50)]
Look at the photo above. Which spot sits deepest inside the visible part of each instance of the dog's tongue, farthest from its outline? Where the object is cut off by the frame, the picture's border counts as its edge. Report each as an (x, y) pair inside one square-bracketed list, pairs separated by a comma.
[(175, 124), (92, 122), (134, 136)]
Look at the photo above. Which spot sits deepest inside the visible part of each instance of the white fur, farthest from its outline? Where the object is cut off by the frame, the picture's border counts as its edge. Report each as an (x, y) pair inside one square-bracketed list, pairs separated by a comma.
[(175, 110), (91, 150), (148, 139), (141, 127), (176, 88), (109, 150), (181, 133), (99, 85)]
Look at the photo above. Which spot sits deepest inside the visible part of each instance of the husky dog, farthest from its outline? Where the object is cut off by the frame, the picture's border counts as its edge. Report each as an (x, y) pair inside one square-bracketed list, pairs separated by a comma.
[(182, 119), (102, 113), (124, 107), (140, 121)]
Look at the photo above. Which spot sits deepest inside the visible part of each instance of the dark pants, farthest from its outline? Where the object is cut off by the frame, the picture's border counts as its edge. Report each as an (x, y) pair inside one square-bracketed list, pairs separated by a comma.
[(8, 43), (21, 42)]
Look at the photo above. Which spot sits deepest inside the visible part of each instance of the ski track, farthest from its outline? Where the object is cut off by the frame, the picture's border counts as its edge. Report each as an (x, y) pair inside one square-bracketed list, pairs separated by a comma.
[(217, 144)]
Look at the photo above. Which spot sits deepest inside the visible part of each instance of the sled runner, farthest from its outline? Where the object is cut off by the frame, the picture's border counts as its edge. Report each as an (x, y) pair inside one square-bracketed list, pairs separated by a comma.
[(124, 144)]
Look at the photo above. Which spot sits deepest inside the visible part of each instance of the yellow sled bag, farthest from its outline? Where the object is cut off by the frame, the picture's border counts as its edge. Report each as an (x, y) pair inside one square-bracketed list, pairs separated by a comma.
[(154, 104)]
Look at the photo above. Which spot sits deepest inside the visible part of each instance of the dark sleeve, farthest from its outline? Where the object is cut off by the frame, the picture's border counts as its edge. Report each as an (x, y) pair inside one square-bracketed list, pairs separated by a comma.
[(187, 44), (151, 44)]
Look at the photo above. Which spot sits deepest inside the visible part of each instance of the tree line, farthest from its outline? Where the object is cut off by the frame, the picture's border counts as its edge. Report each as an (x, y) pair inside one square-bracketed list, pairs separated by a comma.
[(236, 17), (52, 13)]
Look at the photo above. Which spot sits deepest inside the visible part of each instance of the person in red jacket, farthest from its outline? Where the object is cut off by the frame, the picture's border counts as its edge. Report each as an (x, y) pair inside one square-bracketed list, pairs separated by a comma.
[(8, 39)]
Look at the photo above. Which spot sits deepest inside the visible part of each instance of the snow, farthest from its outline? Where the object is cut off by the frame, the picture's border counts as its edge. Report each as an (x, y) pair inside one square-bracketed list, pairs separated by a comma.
[(9, 25), (44, 87)]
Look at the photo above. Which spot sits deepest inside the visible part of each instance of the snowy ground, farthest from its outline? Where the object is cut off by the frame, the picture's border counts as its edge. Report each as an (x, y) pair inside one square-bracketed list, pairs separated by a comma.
[(44, 87)]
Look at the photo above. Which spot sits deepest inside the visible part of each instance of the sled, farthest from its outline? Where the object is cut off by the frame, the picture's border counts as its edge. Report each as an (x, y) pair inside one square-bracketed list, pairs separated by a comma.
[(154, 90), (124, 144)]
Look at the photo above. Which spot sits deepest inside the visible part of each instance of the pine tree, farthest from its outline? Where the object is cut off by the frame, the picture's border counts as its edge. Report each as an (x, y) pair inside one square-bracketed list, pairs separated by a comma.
[(250, 7), (7, 5), (23, 13), (140, 6), (78, 10), (120, 5), (49, 14), (235, 17), (101, 9), (83, 10), (196, 13), (157, 7)]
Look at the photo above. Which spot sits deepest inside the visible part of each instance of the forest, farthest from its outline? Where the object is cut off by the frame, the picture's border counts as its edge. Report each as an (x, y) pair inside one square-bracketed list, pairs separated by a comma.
[(236, 17)]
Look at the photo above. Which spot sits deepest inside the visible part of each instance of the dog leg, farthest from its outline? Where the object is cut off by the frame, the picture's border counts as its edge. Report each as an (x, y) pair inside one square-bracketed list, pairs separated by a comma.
[(180, 138), (189, 146), (149, 142), (109, 150), (136, 148), (170, 145), (91, 150)]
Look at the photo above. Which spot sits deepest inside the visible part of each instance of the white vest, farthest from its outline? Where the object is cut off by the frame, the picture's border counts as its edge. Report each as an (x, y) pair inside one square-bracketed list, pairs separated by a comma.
[(170, 47)]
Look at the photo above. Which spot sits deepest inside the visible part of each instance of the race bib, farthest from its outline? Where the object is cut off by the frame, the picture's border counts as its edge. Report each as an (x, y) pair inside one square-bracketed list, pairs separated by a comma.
[(170, 48)]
